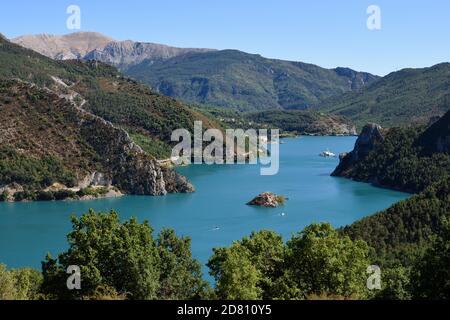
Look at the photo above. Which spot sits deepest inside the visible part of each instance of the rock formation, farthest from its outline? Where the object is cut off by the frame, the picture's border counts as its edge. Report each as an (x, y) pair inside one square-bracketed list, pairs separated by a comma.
[(71, 46), (370, 135), (267, 199)]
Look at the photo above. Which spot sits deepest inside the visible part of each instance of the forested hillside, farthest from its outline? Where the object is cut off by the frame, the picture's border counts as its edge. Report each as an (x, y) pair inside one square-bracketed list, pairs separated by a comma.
[(62, 129), (148, 116), (409, 159), (246, 82), (403, 97)]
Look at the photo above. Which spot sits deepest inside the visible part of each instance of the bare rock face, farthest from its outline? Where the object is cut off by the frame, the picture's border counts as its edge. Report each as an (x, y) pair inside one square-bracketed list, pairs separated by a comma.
[(370, 135), (267, 199), (129, 168), (175, 182), (94, 179), (124, 54), (10, 190), (71, 46), (95, 46)]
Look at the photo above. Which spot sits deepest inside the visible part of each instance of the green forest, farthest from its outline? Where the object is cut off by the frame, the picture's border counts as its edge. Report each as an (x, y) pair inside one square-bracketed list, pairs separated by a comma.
[(124, 260), (47, 139)]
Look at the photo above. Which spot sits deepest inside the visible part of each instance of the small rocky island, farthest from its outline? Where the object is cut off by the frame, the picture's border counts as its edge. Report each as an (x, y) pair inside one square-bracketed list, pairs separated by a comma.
[(267, 199)]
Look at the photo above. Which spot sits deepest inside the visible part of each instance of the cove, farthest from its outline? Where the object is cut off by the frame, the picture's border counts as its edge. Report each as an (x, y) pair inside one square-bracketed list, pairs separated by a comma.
[(216, 214)]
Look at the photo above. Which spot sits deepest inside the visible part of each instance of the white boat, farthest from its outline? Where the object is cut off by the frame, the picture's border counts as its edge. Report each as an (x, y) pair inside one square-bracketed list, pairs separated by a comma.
[(327, 154)]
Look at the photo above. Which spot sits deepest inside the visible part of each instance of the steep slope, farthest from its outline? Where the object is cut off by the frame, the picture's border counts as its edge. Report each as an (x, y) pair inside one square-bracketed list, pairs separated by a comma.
[(412, 159), (95, 46), (125, 54), (149, 117), (52, 126), (403, 97), (235, 79), (227, 78), (401, 233), (437, 137), (48, 141), (71, 46), (409, 159)]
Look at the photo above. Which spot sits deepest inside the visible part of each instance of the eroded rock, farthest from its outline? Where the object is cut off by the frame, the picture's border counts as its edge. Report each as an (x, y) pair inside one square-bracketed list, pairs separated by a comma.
[(370, 135), (267, 199)]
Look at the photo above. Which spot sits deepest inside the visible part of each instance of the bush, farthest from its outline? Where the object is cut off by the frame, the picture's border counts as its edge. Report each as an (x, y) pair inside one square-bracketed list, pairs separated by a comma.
[(123, 260), (19, 284), (317, 261)]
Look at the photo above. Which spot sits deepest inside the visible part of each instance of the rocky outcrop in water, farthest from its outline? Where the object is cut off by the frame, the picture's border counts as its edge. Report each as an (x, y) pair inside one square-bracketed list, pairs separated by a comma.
[(370, 135), (267, 199)]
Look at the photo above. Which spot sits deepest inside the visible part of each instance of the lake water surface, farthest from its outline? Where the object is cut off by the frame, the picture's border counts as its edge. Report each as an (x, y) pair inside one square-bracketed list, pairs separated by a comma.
[(216, 214)]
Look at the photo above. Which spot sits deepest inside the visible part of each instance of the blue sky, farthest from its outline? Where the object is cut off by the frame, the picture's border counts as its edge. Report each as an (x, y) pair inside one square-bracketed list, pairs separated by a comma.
[(329, 33)]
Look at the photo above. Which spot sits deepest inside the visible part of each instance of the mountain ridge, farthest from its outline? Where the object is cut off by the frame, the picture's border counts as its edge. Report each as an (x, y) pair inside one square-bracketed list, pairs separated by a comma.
[(235, 79), (408, 159), (63, 47), (55, 134), (224, 78), (412, 95), (96, 46)]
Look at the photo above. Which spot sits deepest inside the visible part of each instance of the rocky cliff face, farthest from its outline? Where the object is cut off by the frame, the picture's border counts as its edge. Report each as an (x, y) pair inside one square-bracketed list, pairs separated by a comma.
[(267, 199), (71, 46), (131, 170), (129, 167), (370, 135), (124, 54), (93, 149), (95, 46)]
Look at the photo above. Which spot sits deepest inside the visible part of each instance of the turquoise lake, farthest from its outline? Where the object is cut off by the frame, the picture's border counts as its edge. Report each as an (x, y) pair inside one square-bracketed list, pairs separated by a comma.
[(216, 214)]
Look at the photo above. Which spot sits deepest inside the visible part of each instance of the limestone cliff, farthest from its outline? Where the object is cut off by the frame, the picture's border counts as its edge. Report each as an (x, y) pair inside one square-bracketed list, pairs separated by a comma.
[(40, 128), (370, 135)]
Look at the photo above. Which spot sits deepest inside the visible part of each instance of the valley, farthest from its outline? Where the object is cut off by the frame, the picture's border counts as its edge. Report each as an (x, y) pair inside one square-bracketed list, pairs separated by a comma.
[(361, 181)]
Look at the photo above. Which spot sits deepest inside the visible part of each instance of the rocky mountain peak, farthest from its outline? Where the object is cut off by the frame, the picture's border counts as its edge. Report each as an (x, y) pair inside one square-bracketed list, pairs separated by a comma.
[(96, 46), (124, 54), (437, 137), (62, 47)]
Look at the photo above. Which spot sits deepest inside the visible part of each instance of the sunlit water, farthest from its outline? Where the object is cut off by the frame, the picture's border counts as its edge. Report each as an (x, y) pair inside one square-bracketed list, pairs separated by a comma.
[(216, 214)]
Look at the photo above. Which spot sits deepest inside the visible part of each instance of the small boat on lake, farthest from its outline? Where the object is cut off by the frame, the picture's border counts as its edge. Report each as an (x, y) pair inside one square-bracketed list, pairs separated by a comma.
[(327, 154)]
